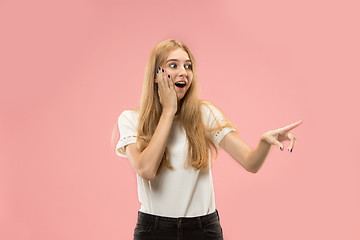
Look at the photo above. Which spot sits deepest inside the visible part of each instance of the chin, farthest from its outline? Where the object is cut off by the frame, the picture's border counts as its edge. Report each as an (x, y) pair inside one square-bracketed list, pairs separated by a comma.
[(179, 97)]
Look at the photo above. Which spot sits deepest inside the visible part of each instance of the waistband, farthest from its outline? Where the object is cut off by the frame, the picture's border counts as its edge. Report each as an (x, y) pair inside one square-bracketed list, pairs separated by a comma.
[(181, 222)]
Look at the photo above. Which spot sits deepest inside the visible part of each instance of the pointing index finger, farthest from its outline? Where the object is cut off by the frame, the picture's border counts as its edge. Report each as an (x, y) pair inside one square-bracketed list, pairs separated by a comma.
[(291, 126)]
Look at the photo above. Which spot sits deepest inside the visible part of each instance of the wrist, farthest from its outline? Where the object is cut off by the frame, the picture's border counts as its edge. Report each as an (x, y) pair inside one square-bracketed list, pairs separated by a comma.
[(264, 140), (168, 113)]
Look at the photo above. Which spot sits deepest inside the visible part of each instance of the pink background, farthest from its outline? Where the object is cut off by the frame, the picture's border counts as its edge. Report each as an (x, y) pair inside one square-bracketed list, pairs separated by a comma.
[(69, 68)]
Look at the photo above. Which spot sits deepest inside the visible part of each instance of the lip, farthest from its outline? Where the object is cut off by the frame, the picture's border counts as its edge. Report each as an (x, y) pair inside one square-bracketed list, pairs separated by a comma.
[(183, 80), (181, 88)]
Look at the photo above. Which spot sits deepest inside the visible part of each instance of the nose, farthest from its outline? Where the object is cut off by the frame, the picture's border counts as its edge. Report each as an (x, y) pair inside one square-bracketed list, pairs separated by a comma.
[(182, 71)]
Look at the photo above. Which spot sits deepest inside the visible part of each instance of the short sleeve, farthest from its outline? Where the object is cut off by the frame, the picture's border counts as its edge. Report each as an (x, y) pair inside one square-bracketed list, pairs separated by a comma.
[(127, 123), (213, 118)]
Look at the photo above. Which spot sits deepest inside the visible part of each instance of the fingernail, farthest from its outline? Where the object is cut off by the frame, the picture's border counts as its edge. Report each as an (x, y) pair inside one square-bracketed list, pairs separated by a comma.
[(290, 150), (163, 70), (157, 71), (168, 76), (281, 148), (159, 68)]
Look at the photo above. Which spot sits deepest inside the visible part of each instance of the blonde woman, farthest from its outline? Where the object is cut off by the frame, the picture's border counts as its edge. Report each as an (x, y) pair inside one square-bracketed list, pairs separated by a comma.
[(171, 142)]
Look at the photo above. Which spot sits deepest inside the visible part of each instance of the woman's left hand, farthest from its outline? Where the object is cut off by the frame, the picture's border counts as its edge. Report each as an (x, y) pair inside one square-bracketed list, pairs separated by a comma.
[(275, 137)]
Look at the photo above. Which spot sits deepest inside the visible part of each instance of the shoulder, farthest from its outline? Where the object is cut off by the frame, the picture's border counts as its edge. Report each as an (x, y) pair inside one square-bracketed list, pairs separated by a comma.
[(206, 105), (129, 113), (129, 116), (207, 108)]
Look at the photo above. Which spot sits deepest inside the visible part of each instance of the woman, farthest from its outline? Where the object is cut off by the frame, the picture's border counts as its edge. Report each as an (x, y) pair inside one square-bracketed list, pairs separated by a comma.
[(169, 142)]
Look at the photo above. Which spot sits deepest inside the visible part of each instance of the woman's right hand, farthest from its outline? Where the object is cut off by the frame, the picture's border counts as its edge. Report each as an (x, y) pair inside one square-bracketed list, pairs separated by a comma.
[(166, 91)]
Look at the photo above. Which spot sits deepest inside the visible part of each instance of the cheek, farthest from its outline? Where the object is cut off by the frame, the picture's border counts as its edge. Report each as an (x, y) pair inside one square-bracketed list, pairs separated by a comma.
[(190, 77), (169, 70)]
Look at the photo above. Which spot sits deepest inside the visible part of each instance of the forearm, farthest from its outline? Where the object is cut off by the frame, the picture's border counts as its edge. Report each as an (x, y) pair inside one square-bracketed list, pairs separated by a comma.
[(151, 157), (257, 156)]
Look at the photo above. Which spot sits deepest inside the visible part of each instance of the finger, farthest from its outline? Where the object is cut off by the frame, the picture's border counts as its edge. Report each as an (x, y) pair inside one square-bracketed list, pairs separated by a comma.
[(171, 83), (292, 144), (289, 127), (164, 77), (274, 141), (156, 75), (161, 81), (277, 143)]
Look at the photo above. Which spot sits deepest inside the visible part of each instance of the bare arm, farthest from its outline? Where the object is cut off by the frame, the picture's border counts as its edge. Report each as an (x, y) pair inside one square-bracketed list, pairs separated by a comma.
[(147, 162), (257, 156), (250, 159), (236, 148), (253, 159)]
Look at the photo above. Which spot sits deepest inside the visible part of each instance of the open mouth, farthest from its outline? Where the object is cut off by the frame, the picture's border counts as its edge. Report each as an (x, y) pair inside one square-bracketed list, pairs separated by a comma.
[(180, 84)]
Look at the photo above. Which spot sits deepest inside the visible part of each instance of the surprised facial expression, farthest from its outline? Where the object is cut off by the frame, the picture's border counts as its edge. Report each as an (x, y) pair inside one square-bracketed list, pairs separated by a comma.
[(178, 66)]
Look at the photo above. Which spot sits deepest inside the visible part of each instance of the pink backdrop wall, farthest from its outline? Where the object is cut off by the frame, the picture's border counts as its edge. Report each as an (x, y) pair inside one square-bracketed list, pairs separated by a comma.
[(68, 69)]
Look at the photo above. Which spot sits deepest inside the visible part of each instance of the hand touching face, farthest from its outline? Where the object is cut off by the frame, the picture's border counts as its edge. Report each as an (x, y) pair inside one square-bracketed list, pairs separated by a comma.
[(166, 91)]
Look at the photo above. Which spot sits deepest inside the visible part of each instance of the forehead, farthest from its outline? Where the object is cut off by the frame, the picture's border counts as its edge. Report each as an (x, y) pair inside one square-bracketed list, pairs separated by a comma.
[(178, 54)]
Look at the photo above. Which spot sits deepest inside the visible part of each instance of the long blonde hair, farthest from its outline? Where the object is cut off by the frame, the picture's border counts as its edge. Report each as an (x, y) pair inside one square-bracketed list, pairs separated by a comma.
[(199, 139)]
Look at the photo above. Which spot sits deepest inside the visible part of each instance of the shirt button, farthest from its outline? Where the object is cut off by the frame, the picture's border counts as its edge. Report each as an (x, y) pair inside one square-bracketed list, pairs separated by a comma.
[(180, 222)]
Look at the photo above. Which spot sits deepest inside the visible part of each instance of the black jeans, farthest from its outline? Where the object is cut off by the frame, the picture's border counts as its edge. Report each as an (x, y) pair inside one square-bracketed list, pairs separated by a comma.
[(153, 227)]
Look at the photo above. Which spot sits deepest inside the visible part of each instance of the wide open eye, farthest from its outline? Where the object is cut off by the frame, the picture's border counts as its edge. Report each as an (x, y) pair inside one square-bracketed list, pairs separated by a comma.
[(188, 66), (173, 65)]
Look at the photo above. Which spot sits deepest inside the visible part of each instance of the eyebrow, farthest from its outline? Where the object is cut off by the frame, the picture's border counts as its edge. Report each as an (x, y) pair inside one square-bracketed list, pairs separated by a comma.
[(177, 60)]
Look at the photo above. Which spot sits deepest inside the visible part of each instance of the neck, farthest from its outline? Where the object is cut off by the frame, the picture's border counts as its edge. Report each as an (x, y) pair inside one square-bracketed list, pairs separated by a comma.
[(178, 107)]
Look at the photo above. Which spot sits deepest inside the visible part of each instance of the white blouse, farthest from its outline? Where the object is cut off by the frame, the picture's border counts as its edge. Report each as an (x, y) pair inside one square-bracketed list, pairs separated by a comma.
[(178, 192)]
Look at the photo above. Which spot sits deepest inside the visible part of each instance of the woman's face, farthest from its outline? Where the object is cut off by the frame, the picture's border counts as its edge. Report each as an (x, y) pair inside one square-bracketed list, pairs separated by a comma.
[(178, 66)]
